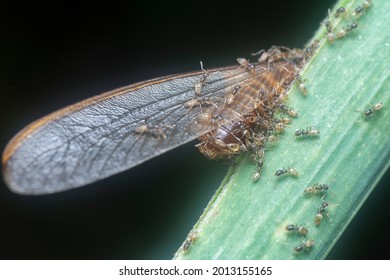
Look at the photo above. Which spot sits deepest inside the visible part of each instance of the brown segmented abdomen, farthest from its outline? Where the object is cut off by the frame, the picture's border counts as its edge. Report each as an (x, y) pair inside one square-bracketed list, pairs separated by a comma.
[(250, 116)]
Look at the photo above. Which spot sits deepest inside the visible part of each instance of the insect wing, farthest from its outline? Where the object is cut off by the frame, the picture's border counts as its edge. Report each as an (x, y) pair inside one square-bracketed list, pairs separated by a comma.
[(98, 137)]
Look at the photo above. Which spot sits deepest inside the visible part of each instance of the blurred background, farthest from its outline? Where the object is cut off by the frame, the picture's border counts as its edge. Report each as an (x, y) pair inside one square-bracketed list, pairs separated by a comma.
[(55, 54)]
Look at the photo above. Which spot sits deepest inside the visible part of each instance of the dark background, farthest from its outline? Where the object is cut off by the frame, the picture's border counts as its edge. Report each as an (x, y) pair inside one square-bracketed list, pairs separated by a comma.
[(59, 53)]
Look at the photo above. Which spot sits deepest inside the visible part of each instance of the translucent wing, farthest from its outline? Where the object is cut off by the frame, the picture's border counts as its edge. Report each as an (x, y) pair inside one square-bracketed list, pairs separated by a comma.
[(102, 136)]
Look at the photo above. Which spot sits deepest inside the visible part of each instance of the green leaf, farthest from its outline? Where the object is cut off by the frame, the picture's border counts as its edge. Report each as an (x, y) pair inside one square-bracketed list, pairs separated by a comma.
[(246, 219)]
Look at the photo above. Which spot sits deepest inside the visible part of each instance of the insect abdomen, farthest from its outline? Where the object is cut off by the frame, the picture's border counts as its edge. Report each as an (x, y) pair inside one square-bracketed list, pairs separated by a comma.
[(250, 113)]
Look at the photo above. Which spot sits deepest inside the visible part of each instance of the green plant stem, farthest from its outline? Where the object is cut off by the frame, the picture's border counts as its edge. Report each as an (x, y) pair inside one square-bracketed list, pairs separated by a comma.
[(246, 219)]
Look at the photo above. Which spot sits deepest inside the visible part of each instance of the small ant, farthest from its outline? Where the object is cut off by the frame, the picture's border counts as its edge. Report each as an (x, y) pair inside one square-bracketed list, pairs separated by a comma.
[(310, 131), (304, 246), (153, 130), (199, 101), (301, 84), (286, 171), (300, 230), (316, 189), (283, 120), (290, 111), (319, 215), (191, 238), (201, 82), (339, 11), (329, 30), (371, 111), (343, 31), (360, 9), (246, 65), (309, 51), (231, 96)]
